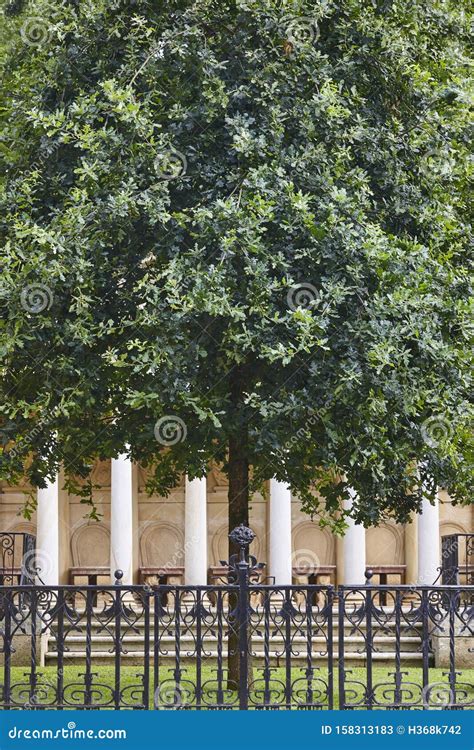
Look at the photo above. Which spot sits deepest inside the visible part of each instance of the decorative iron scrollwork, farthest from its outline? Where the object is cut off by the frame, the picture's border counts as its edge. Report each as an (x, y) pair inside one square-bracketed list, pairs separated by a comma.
[(181, 642)]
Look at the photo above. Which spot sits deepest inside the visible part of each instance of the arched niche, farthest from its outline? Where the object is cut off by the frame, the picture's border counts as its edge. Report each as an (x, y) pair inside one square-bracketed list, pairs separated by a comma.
[(24, 527), (219, 547), (217, 480), (90, 545), (312, 545), (101, 473), (161, 545), (384, 545)]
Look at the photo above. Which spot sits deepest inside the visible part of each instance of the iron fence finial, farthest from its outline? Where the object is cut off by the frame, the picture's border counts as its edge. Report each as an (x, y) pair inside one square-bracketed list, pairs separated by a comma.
[(118, 577)]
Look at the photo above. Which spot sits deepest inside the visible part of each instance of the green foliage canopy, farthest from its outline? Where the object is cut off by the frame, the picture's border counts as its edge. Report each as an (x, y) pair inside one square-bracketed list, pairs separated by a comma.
[(247, 220)]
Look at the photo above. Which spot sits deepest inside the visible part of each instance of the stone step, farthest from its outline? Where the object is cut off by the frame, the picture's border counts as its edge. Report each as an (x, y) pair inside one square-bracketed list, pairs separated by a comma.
[(136, 658), (256, 624), (408, 643)]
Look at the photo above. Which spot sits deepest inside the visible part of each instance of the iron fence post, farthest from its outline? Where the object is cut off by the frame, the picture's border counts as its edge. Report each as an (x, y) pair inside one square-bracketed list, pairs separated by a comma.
[(243, 537), (341, 642), (243, 607)]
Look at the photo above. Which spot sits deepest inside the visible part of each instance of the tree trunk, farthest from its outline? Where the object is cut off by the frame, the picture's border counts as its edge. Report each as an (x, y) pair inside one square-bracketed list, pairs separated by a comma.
[(238, 487), (238, 466)]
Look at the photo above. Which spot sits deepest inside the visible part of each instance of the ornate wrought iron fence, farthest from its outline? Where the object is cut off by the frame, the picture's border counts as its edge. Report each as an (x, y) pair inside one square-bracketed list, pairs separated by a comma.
[(438, 620), (457, 559), (238, 645), (17, 558)]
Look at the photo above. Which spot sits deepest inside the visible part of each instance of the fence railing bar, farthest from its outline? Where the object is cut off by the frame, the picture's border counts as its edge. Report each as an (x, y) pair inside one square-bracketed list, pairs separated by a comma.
[(117, 646), (425, 645), (341, 646), (34, 650), (145, 599), (220, 659), (88, 673), (452, 649), (309, 648), (243, 615), (369, 603), (287, 614), (156, 646), (7, 597), (177, 695), (266, 649), (330, 647), (198, 616), (398, 676), (60, 651)]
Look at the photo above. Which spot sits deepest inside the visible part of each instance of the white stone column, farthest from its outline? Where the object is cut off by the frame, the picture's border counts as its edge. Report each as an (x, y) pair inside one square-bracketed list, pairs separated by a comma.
[(122, 542), (354, 550), (428, 543), (279, 529), (47, 535), (411, 551), (195, 532)]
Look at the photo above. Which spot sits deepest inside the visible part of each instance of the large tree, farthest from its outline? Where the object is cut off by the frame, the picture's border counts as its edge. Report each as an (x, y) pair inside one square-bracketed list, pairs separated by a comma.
[(238, 232)]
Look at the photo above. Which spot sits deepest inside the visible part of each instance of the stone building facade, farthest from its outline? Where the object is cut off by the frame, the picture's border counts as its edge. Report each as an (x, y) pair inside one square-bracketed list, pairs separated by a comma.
[(185, 535)]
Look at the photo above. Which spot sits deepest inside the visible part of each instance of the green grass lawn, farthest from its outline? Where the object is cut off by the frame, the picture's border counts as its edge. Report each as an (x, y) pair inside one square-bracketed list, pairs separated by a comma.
[(131, 686)]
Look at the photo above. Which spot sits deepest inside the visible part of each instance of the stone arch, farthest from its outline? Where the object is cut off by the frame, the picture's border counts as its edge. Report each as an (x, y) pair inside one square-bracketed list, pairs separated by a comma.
[(24, 527), (162, 545), (90, 545), (385, 545), (101, 473), (312, 544), (451, 527)]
